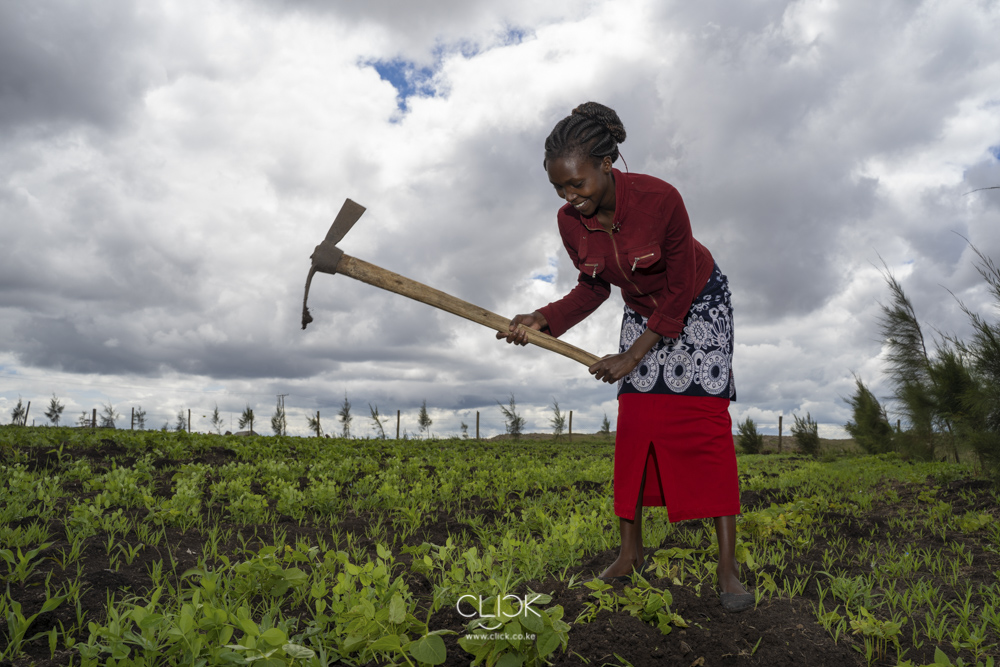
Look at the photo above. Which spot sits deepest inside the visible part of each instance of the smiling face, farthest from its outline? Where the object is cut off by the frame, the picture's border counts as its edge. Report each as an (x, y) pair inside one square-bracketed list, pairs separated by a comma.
[(586, 184)]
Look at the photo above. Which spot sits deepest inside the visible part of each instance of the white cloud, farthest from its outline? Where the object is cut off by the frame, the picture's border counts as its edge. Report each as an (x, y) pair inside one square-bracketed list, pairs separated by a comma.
[(166, 172)]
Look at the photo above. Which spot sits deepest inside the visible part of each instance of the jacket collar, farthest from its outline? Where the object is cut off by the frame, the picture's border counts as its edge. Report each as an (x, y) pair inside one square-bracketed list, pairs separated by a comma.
[(621, 205)]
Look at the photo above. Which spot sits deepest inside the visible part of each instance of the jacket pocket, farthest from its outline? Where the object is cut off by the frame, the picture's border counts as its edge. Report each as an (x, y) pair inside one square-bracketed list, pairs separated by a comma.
[(645, 257), (592, 266)]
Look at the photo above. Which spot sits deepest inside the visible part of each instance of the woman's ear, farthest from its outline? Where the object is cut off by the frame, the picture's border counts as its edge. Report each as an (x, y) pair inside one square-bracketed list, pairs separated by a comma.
[(606, 164)]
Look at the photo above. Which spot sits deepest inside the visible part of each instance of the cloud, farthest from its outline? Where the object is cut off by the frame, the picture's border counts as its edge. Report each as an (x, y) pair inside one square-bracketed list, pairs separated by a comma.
[(166, 171)]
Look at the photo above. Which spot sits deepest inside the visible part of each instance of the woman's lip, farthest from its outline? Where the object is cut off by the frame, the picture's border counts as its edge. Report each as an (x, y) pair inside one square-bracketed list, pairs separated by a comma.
[(580, 205)]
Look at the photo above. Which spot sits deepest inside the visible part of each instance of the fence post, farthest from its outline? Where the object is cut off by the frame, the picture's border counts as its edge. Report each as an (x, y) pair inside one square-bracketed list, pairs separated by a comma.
[(570, 438), (779, 434), (897, 427), (397, 424), (189, 420), (93, 419), (132, 425), (24, 422), (477, 424)]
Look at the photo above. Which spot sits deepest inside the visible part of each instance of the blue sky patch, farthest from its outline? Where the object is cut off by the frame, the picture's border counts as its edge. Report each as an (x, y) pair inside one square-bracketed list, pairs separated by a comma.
[(405, 77), (995, 151)]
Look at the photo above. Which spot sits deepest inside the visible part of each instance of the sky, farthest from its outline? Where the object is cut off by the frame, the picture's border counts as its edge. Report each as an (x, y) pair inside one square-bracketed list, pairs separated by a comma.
[(166, 169)]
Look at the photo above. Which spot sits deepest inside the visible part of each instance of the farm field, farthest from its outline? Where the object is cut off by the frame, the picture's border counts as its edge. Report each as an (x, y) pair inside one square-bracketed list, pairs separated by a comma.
[(153, 548)]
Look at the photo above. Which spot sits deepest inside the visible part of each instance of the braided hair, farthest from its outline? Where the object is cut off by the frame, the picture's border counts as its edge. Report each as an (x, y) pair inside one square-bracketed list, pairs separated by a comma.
[(591, 129)]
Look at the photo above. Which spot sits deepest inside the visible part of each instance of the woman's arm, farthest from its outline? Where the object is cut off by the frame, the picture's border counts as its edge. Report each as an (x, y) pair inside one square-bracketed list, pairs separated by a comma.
[(614, 367)]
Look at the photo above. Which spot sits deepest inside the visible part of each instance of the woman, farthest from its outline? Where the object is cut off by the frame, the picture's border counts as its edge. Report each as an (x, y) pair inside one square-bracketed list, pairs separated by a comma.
[(674, 445)]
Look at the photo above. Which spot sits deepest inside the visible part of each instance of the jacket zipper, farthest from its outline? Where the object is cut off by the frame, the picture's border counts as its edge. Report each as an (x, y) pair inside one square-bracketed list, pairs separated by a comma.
[(634, 263), (594, 274)]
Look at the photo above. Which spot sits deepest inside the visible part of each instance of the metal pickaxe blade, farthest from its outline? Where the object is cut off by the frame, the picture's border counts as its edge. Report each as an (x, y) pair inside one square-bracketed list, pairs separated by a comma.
[(328, 258)]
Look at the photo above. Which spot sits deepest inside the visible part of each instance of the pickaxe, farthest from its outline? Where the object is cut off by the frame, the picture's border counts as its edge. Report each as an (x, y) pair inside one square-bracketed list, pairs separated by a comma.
[(328, 258)]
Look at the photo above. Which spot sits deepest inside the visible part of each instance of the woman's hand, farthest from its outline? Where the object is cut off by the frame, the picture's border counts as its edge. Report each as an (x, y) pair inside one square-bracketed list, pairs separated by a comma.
[(614, 367), (516, 334)]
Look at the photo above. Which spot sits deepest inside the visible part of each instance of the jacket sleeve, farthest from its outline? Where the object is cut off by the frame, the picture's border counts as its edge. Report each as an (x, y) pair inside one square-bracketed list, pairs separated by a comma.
[(681, 276), (589, 293)]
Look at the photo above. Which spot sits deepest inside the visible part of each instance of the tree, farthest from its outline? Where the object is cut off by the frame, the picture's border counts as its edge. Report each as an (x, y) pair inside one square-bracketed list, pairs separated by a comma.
[(748, 438), (216, 420), (279, 423), (909, 370), (140, 418), (182, 422), (424, 420), (246, 419), (55, 410), (315, 426), (377, 424), (344, 415), (558, 420), (980, 425), (806, 434), (84, 420), (19, 415), (605, 426), (465, 431), (513, 421), (109, 416), (869, 426)]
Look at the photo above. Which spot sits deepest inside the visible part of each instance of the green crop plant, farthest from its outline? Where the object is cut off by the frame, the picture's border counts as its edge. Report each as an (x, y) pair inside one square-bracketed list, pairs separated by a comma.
[(651, 605), (505, 634), (18, 625)]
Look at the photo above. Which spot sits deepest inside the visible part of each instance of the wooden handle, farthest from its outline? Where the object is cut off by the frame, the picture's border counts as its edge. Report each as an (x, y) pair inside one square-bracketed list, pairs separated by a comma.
[(387, 280)]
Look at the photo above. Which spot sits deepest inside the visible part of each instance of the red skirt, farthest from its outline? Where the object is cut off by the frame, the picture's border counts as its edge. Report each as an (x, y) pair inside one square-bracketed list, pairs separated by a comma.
[(685, 445)]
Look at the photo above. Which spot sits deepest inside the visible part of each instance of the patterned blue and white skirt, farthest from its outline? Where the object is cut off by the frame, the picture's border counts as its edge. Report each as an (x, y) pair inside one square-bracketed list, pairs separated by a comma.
[(700, 362)]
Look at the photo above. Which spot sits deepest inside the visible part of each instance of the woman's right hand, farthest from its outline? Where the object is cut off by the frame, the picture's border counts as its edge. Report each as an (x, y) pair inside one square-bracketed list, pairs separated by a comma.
[(518, 335)]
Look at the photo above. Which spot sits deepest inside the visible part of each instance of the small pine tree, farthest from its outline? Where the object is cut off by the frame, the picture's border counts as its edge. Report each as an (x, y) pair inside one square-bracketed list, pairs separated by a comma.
[(182, 422), (279, 423), (109, 416), (217, 420), (748, 438), (558, 420), (19, 414), (424, 420), (344, 415), (605, 426), (513, 421), (54, 413), (870, 426), (140, 418), (246, 419), (806, 434), (84, 420), (315, 426), (465, 431), (377, 424)]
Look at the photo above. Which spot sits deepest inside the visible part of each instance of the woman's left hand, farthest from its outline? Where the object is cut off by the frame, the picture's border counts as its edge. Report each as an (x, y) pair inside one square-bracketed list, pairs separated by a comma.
[(614, 367)]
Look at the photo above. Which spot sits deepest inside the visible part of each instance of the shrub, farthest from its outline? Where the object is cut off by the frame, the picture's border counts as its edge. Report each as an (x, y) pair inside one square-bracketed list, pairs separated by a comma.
[(748, 438), (514, 421), (870, 426), (806, 434)]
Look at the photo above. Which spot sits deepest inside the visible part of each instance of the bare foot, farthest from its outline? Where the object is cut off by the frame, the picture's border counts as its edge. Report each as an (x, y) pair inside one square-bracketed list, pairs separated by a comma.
[(622, 566), (730, 583)]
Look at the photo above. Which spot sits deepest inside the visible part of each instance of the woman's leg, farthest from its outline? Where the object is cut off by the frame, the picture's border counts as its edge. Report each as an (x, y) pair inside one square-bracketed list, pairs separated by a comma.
[(631, 553), (728, 572)]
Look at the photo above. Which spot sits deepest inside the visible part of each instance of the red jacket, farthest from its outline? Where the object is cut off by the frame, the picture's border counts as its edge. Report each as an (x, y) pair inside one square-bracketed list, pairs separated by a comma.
[(650, 254)]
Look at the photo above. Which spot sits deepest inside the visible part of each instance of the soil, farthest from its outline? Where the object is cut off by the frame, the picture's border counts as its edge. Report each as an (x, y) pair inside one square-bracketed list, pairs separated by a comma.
[(778, 632)]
